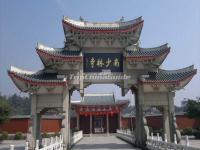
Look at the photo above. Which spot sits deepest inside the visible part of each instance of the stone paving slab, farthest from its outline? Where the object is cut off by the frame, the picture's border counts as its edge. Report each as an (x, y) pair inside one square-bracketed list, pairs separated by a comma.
[(102, 143), (90, 143), (192, 142), (19, 144)]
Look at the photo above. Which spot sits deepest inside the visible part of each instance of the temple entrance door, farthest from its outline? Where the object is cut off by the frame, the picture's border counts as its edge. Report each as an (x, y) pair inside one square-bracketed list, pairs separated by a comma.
[(99, 124)]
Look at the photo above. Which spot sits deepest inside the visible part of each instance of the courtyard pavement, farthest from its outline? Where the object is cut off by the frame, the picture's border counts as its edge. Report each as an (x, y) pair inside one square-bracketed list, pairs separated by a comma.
[(102, 143), (19, 144)]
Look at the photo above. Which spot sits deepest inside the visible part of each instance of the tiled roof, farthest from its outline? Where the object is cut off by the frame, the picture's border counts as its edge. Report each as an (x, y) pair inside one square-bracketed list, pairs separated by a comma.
[(143, 53), (165, 76), (58, 51), (102, 26), (38, 78), (100, 99)]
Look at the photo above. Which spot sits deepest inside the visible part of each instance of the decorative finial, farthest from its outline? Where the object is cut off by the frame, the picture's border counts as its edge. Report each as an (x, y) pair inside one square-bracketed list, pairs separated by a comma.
[(122, 19), (138, 43), (81, 18)]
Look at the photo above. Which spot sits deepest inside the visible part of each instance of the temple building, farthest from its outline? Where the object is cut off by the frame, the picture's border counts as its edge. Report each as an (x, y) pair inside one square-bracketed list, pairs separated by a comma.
[(99, 113)]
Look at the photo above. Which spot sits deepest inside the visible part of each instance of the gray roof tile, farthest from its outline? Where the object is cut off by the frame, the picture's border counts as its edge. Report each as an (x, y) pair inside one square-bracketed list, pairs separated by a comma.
[(167, 76), (100, 99), (143, 52), (102, 26)]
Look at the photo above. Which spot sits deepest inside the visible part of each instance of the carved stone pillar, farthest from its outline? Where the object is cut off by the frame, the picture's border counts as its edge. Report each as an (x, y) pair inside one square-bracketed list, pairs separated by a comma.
[(120, 119), (140, 134), (107, 123), (77, 121), (91, 124), (172, 119), (146, 128), (65, 121), (166, 125), (34, 128)]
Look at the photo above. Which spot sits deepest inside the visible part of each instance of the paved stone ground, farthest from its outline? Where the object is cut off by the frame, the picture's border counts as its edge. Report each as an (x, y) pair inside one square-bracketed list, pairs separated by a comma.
[(19, 144), (102, 143), (192, 142), (91, 143)]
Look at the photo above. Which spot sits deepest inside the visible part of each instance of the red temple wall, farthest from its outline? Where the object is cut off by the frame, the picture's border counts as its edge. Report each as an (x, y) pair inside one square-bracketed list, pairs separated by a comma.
[(156, 122), (185, 122), (15, 125), (21, 125), (53, 125)]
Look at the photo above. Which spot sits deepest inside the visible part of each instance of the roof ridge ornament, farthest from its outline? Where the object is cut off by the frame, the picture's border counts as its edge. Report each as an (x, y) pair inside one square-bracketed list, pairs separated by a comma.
[(81, 19), (122, 19)]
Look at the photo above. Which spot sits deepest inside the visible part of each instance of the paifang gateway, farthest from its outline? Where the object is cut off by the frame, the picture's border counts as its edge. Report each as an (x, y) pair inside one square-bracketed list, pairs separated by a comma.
[(93, 48)]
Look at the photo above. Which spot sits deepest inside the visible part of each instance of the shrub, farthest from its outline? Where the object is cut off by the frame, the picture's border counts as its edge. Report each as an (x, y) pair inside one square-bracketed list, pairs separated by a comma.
[(56, 134), (198, 128), (18, 136), (4, 135), (160, 131), (150, 130), (187, 131), (197, 134), (45, 135)]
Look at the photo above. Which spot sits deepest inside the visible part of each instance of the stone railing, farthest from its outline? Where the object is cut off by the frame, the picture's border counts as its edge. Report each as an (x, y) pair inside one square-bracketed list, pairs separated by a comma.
[(157, 143), (76, 137), (53, 143), (126, 135)]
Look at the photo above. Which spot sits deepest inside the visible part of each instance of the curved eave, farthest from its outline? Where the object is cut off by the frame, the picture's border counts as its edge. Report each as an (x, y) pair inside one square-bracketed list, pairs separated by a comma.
[(46, 55), (21, 80), (161, 55), (130, 28), (178, 83)]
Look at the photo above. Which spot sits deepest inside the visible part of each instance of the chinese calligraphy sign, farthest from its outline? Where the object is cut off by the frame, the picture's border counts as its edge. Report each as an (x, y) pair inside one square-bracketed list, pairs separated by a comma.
[(98, 62)]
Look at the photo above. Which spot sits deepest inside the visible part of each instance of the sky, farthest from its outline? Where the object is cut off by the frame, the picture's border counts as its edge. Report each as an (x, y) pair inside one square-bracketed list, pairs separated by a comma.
[(24, 23)]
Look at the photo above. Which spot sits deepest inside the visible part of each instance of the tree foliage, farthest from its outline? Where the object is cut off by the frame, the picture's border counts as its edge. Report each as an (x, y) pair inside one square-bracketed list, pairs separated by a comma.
[(5, 109), (16, 104), (193, 108), (19, 105)]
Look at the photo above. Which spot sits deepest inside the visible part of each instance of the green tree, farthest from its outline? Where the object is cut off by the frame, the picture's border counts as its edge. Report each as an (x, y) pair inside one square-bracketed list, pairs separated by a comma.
[(4, 109), (19, 105), (193, 108)]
